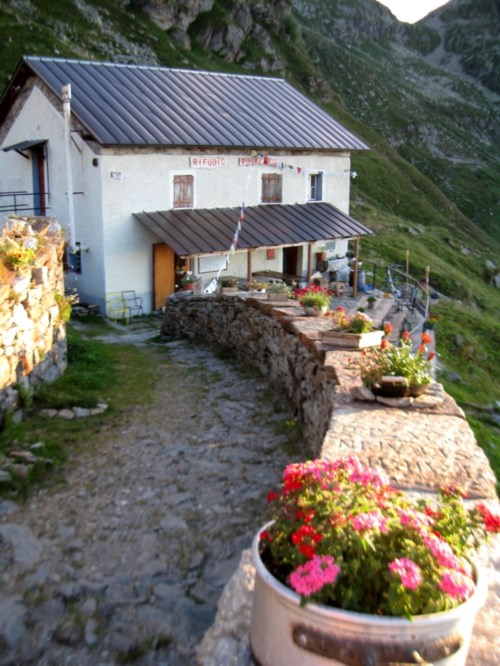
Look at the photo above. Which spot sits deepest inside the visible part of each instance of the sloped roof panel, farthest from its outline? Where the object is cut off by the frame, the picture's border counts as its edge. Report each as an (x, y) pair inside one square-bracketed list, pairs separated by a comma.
[(203, 231), (145, 106)]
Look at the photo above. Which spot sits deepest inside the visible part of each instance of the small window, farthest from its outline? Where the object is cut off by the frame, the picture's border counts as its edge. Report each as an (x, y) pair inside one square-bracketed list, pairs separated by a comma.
[(271, 188), (183, 191), (316, 187)]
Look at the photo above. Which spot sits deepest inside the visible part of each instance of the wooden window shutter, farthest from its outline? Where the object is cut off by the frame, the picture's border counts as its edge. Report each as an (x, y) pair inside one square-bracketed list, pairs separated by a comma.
[(271, 188), (183, 191)]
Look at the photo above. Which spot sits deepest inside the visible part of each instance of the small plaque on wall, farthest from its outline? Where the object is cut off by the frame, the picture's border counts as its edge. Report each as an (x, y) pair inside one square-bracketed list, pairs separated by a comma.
[(271, 254), (212, 264)]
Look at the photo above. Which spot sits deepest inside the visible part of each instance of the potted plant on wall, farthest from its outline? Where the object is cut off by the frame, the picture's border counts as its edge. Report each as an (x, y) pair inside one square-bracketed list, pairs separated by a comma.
[(278, 291), (314, 299), (394, 370), (355, 332), (350, 570), (228, 284), (189, 280)]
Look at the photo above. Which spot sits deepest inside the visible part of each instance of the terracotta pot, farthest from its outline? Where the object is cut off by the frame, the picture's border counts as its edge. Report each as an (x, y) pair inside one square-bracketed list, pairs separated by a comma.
[(284, 633)]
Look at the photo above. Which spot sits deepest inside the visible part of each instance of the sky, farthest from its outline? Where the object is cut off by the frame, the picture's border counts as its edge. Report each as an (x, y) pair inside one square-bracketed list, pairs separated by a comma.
[(412, 10)]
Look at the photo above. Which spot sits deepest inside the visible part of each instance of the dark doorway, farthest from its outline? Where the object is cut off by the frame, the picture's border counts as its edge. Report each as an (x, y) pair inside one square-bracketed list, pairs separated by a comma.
[(290, 260)]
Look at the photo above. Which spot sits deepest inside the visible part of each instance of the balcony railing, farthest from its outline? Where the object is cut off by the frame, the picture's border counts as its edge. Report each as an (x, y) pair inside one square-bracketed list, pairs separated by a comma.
[(22, 202)]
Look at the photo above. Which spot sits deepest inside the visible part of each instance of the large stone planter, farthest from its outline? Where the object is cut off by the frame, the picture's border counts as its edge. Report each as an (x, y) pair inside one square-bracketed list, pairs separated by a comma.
[(352, 340), (283, 633)]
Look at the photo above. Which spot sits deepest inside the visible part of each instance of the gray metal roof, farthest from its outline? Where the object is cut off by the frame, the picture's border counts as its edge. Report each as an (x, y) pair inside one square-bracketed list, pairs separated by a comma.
[(202, 231), (158, 106)]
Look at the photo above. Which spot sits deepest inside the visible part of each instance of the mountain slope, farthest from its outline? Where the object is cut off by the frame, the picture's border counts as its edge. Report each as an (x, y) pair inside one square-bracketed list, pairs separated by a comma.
[(442, 122)]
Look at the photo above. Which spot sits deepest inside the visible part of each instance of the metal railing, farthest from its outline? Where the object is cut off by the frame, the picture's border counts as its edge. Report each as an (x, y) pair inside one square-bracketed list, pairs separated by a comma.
[(23, 202), (407, 291)]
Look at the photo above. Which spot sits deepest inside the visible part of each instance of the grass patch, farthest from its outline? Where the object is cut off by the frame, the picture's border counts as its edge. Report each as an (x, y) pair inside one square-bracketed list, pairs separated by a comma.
[(488, 438), (122, 376), (292, 430)]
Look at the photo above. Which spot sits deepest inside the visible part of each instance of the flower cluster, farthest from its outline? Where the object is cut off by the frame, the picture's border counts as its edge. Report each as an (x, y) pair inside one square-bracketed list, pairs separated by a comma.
[(397, 360), (314, 296), (359, 322), (341, 535)]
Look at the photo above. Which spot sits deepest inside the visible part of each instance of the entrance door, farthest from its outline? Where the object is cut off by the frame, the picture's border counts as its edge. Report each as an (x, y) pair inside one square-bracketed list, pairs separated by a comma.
[(290, 260), (163, 274), (38, 161)]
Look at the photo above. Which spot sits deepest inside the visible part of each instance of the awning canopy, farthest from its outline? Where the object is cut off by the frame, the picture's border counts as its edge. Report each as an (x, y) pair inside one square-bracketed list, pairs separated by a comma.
[(24, 145), (204, 231)]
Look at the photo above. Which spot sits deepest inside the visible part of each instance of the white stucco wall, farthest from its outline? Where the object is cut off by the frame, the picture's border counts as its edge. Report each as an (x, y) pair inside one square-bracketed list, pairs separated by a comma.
[(111, 184)]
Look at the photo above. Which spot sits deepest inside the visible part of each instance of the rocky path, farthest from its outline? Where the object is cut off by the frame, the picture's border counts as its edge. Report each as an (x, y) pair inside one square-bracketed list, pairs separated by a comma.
[(126, 561)]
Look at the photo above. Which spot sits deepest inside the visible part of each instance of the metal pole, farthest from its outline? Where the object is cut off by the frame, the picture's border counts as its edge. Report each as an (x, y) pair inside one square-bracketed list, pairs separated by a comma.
[(309, 262), (66, 97), (249, 268), (355, 276)]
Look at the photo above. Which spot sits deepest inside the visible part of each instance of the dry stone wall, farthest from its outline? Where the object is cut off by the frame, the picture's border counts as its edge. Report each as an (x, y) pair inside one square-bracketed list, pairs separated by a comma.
[(423, 443), (32, 327)]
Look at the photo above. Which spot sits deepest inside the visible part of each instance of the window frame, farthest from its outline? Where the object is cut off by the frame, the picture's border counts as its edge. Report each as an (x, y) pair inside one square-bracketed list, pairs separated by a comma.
[(267, 178), (318, 191), (182, 205)]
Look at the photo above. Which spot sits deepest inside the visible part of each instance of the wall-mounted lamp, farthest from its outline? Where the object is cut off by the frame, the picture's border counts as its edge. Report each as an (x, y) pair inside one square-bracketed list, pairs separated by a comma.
[(353, 174)]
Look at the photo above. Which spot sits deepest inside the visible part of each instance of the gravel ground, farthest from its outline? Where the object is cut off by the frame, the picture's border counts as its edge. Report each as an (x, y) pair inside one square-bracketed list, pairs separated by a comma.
[(126, 560)]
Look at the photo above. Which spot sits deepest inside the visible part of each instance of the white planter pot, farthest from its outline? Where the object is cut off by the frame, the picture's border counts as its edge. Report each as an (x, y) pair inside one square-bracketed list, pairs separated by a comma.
[(352, 340), (283, 633), (315, 312)]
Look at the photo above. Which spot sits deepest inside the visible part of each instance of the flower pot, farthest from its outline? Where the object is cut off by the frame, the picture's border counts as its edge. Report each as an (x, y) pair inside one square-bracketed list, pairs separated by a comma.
[(352, 340), (315, 312), (189, 286), (283, 633)]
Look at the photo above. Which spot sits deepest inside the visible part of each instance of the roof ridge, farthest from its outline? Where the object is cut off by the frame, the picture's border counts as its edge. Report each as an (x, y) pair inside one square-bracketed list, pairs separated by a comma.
[(182, 70)]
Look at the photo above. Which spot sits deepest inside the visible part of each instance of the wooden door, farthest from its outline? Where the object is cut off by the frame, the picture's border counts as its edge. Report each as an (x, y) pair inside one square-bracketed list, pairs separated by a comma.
[(163, 274)]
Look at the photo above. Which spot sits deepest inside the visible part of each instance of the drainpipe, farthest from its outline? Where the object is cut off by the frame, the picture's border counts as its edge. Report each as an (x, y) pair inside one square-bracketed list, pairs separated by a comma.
[(66, 97)]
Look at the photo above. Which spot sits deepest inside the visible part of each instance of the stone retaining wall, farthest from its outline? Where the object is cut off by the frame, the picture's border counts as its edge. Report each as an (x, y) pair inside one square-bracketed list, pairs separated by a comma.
[(422, 446), (32, 327)]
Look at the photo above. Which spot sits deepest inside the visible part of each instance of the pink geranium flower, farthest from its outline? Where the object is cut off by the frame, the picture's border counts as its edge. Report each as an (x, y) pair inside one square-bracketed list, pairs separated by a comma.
[(456, 585), (312, 576), (373, 520), (408, 571)]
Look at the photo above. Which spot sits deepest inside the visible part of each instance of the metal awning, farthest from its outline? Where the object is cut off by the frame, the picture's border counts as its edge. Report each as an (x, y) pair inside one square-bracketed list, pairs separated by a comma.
[(24, 145), (205, 231)]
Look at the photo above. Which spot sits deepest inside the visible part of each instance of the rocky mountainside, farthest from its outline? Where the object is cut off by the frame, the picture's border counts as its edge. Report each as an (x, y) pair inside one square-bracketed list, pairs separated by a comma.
[(466, 39)]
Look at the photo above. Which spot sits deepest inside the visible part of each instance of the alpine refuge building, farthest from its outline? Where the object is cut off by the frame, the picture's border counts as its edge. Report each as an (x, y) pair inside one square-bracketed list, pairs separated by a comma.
[(150, 168)]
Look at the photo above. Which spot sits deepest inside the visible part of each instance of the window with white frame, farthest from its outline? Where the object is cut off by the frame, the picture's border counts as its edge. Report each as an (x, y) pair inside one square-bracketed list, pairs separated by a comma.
[(272, 190), (183, 191), (316, 186)]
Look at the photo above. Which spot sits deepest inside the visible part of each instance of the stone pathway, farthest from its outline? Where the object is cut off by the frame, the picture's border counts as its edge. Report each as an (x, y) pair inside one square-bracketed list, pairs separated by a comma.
[(127, 560)]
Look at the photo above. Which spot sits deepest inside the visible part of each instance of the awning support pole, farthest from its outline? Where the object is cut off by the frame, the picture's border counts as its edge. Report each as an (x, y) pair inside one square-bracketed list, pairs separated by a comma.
[(309, 262), (355, 276), (249, 268)]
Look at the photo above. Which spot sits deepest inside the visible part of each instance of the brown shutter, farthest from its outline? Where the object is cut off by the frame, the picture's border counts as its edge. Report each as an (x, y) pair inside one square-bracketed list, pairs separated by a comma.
[(183, 191), (271, 188)]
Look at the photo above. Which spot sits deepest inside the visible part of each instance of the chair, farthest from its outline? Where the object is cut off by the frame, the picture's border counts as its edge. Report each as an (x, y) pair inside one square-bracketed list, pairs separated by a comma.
[(338, 288), (116, 307), (133, 303)]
